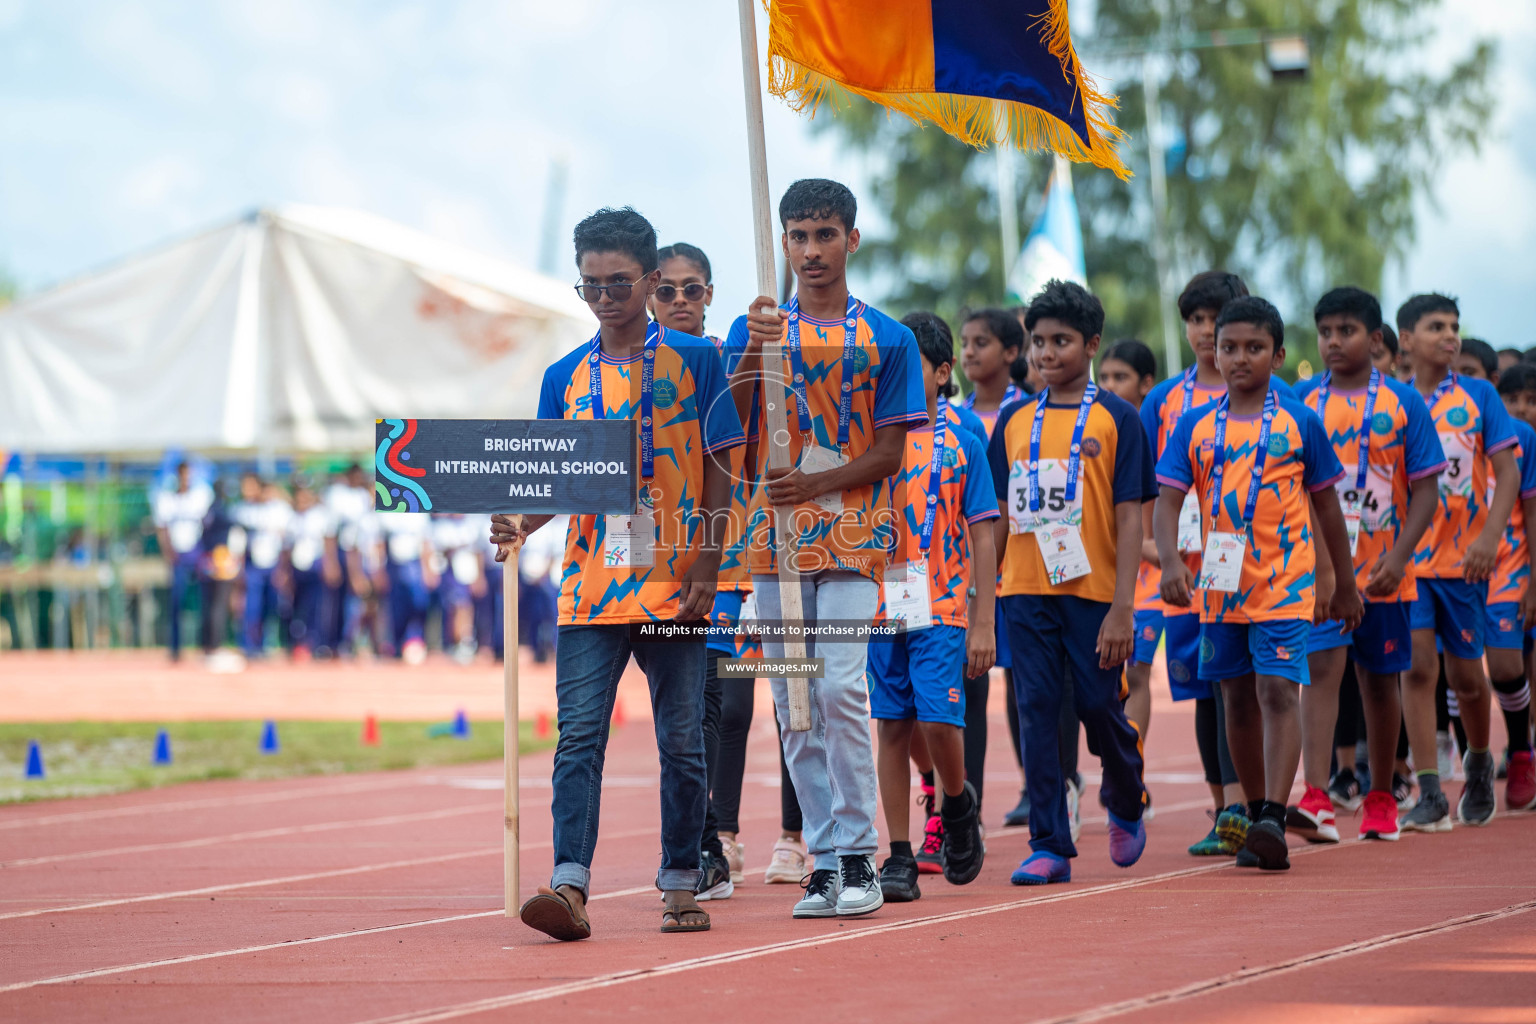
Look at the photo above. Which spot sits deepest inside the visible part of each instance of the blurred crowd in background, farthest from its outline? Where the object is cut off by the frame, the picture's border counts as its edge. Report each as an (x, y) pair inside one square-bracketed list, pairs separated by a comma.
[(240, 564)]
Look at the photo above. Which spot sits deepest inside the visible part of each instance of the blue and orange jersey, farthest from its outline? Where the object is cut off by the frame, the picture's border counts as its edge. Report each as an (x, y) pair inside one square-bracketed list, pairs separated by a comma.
[(988, 419), (734, 575), (965, 500), (1403, 448), (1160, 413), (1512, 571), (1279, 561), (887, 390), (970, 421), (1116, 467), (1473, 424), (693, 417)]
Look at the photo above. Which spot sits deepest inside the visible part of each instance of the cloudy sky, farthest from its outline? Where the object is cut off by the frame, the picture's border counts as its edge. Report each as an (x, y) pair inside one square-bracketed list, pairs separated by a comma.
[(124, 124)]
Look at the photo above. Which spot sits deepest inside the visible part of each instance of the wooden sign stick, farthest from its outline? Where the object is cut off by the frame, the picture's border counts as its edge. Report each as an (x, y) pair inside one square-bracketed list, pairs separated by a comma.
[(511, 852), (773, 384)]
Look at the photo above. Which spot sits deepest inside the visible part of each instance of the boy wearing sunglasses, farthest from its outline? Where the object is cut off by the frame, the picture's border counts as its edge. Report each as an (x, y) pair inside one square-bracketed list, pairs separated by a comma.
[(657, 564)]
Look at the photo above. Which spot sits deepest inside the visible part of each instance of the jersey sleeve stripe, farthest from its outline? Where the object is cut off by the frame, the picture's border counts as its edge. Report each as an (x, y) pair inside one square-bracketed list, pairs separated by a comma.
[(1323, 485), (1439, 467)]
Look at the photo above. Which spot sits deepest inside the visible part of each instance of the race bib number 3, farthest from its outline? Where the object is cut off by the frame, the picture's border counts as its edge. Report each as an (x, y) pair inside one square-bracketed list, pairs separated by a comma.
[(1221, 567), (906, 595), (1456, 481), (1054, 506)]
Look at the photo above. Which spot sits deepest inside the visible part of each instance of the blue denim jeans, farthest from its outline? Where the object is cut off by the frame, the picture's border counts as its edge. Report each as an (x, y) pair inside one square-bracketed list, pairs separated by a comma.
[(183, 579), (832, 765), (588, 663)]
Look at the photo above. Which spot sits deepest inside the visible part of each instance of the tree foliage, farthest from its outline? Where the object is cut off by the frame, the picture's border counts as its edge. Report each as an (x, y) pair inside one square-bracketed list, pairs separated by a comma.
[(1299, 185)]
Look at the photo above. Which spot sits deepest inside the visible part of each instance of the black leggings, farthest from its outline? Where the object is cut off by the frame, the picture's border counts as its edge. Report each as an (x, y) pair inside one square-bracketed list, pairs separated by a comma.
[(727, 723), (1211, 737), (1067, 727), (976, 693)]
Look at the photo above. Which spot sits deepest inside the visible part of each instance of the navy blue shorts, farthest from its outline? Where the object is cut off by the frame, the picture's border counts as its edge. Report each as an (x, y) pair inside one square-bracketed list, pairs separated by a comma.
[(921, 675), (1232, 649), (1182, 646), (1457, 611), (1383, 643)]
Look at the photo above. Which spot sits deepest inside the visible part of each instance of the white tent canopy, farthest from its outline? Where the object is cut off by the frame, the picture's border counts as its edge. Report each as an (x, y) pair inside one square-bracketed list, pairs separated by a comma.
[(289, 330)]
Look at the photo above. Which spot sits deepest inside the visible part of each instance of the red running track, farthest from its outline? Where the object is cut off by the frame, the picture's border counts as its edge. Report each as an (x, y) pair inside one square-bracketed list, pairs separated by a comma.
[(376, 898)]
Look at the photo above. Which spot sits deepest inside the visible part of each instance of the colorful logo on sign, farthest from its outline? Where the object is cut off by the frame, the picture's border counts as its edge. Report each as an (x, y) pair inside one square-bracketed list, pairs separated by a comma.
[(393, 461)]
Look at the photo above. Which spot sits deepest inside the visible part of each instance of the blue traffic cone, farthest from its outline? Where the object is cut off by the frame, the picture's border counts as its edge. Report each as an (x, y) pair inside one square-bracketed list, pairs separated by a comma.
[(269, 744), (162, 747), (461, 724), (34, 760)]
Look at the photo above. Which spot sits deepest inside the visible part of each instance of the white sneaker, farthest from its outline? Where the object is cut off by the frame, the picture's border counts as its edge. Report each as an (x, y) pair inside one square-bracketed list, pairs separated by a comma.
[(1075, 809), (1445, 747), (821, 895), (858, 890), (788, 864)]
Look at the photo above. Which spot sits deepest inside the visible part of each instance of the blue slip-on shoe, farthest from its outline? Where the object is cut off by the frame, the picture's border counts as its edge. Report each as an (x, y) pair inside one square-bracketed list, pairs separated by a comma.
[(1041, 869), (1126, 840)]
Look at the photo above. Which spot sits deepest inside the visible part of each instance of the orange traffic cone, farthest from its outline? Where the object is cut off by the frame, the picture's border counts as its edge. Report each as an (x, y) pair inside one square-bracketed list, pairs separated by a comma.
[(371, 731)]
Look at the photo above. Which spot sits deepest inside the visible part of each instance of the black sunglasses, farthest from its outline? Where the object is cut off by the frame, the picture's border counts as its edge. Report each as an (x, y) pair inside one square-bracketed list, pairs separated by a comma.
[(693, 292), (594, 292)]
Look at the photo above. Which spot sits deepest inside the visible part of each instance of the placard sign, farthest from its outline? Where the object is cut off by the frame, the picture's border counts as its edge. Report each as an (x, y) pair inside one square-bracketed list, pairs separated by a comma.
[(529, 466)]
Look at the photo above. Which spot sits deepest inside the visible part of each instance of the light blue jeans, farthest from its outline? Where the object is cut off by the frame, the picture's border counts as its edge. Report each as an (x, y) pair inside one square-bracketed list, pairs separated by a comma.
[(832, 765)]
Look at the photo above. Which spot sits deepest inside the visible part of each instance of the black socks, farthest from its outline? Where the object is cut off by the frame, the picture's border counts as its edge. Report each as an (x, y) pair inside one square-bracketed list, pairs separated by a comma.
[(1515, 701), (901, 850), (957, 807)]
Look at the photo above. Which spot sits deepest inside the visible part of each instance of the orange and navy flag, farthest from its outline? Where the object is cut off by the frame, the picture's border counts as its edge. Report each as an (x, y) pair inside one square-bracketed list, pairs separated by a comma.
[(982, 70)]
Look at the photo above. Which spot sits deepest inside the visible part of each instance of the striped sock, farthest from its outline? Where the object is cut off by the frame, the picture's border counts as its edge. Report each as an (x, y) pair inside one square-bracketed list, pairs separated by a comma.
[(1515, 701)]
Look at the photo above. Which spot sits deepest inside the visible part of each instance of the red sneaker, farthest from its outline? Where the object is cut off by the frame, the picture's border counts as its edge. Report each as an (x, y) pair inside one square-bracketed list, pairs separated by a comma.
[(1312, 819), (928, 862), (1379, 820), (1520, 789)]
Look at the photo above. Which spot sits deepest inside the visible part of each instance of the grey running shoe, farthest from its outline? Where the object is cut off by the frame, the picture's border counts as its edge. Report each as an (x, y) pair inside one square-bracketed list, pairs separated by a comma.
[(1431, 814), (858, 890), (820, 899), (1477, 802)]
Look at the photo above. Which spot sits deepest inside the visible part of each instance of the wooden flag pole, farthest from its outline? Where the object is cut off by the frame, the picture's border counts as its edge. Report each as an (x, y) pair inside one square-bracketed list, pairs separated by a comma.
[(774, 398), (510, 850)]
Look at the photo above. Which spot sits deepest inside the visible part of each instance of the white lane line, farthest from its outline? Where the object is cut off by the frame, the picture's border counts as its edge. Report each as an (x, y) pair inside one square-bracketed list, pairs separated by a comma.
[(1252, 974), (266, 833), (152, 807), (361, 869), (754, 952), (103, 972)]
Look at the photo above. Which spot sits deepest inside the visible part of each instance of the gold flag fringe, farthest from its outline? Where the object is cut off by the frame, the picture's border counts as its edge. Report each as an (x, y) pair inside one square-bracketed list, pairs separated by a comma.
[(975, 120)]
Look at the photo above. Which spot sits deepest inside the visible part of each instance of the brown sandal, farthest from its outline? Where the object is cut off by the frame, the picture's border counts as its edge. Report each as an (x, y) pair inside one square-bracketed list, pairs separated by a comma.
[(680, 904), (555, 914)]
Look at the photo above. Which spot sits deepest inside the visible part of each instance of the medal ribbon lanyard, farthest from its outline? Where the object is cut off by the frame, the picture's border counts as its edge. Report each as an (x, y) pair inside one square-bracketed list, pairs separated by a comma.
[(797, 371), (1189, 390), (1219, 461), (1433, 400), (1074, 460), (1365, 423), (647, 378), (1010, 394), (935, 472)]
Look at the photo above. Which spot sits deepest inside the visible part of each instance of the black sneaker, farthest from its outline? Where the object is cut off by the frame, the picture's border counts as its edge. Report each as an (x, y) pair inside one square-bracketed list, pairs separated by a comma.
[(715, 884), (1246, 858), (1402, 790), (1477, 802), (963, 851), (1266, 841), (1020, 814), (898, 880), (1344, 789)]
